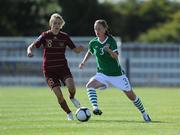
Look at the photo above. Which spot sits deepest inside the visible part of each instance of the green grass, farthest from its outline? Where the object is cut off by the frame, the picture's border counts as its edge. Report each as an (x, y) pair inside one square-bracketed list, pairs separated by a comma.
[(34, 111)]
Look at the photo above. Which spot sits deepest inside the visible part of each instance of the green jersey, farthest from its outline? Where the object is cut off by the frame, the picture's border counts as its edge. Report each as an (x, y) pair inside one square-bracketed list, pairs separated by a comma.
[(105, 63)]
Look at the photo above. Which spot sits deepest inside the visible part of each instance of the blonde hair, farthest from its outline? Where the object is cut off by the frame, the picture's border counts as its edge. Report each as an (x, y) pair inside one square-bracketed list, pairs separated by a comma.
[(55, 16)]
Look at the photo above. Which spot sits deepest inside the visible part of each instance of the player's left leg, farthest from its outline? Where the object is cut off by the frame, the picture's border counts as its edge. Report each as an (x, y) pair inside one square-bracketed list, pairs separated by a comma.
[(122, 83), (72, 91), (137, 102)]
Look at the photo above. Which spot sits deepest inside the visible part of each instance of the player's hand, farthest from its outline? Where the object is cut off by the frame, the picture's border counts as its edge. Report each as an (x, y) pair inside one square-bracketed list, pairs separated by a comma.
[(114, 55), (81, 65), (30, 55), (29, 50), (80, 48)]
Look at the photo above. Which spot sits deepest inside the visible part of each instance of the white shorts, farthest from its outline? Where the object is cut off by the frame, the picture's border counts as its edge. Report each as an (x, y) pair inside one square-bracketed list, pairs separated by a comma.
[(120, 82)]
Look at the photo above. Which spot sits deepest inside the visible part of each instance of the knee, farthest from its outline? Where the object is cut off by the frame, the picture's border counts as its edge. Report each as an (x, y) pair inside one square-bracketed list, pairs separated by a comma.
[(131, 95), (72, 89), (70, 86), (90, 85)]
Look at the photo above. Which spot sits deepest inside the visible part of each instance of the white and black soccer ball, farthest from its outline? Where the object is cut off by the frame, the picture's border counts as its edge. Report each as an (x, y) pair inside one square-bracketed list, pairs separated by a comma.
[(83, 114)]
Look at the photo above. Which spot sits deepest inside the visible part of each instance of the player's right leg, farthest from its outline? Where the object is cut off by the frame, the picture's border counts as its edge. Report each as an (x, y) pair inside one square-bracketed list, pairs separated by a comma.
[(62, 102), (91, 86), (54, 84)]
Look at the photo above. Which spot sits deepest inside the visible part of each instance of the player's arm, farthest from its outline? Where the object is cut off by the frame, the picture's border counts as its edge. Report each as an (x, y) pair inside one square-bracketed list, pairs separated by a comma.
[(36, 44), (29, 50), (78, 49), (71, 45), (112, 53), (86, 57)]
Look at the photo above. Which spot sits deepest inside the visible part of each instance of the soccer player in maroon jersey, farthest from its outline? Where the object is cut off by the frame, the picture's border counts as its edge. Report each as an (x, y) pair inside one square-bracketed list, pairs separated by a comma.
[(55, 67)]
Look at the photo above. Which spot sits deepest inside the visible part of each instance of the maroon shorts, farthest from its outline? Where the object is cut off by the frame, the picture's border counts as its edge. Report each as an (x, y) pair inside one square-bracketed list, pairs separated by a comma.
[(56, 78)]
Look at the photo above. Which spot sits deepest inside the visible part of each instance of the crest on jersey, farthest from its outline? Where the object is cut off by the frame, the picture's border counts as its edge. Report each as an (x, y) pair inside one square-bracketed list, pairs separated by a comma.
[(107, 45), (61, 44)]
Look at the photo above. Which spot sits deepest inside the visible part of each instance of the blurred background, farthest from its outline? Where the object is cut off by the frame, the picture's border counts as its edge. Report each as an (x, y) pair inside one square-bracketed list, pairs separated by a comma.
[(147, 33)]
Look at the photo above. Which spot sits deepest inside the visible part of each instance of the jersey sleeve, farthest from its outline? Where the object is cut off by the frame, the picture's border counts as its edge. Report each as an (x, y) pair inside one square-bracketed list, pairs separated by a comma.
[(90, 47), (39, 41), (70, 43), (113, 45)]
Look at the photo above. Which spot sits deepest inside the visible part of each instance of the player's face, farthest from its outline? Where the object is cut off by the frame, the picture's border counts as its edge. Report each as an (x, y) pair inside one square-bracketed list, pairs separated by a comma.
[(99, 30), (56, 25)]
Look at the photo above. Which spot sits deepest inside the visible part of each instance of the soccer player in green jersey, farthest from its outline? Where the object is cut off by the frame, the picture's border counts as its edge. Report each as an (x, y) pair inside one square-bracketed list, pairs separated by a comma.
[(109, 71)]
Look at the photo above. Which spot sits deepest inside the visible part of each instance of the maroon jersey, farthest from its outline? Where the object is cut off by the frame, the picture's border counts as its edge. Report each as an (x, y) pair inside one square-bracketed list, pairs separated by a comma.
[(54, 47)]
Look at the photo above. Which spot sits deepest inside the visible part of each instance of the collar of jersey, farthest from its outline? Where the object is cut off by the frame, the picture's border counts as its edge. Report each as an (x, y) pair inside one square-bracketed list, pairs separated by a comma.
[(103, 41)]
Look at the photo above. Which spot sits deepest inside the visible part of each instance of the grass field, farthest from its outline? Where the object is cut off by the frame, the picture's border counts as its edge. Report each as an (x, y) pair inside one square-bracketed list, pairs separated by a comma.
[(34, 111)]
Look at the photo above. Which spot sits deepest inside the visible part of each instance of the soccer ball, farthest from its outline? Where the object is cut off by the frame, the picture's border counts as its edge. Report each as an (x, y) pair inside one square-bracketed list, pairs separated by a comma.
[(83, 114)]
